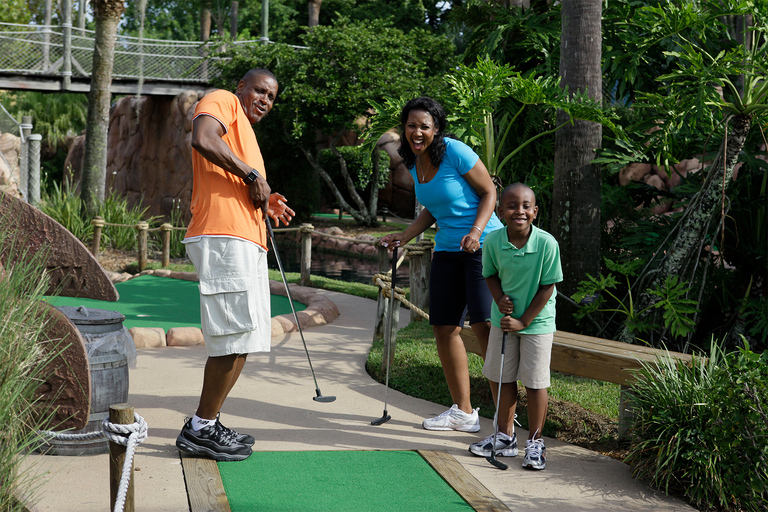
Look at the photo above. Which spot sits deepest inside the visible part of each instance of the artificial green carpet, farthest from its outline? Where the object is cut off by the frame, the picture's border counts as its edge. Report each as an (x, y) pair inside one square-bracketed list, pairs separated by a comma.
[(151, 301), (338, 481)]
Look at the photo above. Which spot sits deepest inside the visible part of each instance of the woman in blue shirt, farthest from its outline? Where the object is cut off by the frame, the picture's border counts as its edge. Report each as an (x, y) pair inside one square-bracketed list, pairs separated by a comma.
[(459, 196)]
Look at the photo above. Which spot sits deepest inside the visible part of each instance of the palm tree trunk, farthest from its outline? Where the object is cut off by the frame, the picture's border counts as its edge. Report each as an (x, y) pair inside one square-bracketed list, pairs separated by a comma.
[(575, 216), (692, 229), (107, 16), (314, 13)]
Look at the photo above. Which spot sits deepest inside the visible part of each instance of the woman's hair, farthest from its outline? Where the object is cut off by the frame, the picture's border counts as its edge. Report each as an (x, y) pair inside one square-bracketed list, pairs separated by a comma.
[(437, 148)]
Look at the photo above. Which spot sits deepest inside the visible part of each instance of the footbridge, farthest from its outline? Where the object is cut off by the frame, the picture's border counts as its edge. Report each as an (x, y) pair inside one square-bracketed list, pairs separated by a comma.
[(58, 58)]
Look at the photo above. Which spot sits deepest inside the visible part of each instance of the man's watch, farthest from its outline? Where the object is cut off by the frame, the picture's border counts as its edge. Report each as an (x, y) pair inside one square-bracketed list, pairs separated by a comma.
[(251, 177)]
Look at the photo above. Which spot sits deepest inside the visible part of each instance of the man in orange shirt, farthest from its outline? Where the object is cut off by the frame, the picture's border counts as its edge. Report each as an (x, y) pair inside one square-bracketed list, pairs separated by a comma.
[(227, 242)]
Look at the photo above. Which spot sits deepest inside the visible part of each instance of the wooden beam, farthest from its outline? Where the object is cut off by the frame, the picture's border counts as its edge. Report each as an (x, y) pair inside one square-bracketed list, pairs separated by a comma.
[(594, 358), (205, 489), (476, 494)]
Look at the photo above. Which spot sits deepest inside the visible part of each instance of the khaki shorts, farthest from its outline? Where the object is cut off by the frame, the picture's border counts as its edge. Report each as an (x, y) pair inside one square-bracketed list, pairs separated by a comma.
[(526, 358), (235, 309)]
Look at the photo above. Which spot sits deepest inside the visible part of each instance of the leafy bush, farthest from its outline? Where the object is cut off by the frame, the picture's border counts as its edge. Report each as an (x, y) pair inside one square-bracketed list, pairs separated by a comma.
[(701, 431)]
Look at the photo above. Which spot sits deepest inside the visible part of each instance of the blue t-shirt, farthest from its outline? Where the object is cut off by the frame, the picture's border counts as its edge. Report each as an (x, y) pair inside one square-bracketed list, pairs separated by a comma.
[(451, 199)]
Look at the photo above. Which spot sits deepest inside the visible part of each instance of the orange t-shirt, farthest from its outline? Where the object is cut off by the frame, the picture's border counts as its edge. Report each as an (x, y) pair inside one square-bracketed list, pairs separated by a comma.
[(220, 201)]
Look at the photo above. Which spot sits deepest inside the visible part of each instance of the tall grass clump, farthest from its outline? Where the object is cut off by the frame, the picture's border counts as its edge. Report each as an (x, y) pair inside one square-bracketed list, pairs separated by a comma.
[(115, 210), (23, 358), (63, 204), (701, 431)]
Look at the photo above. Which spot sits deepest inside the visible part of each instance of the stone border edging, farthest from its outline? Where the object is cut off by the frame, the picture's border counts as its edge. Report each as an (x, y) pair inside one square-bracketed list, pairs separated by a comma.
[(320, 311)]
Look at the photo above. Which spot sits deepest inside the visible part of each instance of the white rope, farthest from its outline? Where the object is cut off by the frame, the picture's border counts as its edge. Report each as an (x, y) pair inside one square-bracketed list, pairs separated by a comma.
[(129, 436), (50, 435)]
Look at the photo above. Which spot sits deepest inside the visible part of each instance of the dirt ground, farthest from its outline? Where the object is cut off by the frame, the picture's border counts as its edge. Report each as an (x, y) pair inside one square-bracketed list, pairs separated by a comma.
[(577, 425)]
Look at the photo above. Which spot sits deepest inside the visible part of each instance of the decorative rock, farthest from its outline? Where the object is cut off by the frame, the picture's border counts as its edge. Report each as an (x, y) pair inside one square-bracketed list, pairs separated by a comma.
[(148, 337), (633, 172), (184, 337), (282, 324), (162, 272)]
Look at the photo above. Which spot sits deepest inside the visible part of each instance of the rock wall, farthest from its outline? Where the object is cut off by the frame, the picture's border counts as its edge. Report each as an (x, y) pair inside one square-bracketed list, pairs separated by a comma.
[(10, 147), (149, 157)]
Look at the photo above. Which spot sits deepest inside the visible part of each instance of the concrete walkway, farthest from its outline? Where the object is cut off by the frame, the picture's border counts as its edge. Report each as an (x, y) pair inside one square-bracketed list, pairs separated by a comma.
[(273, 402)]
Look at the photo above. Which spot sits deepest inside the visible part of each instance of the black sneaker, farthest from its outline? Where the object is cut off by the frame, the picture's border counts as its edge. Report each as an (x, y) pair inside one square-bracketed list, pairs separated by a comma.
[(212, 442), (240, 438)]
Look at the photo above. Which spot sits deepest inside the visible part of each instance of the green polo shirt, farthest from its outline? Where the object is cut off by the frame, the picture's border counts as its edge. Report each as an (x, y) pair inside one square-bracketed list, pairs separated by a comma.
[(522, 271)]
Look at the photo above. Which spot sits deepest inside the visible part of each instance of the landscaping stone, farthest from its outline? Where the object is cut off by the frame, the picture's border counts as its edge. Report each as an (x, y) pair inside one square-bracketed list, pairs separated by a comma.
[(184, 337), (148, 337)]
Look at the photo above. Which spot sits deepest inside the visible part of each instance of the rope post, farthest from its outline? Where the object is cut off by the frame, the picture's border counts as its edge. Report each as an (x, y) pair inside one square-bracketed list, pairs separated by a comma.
[(35, 140), (98, 225), (166, 256), (306, 253), (120, 414), (142, 227), (419, 271)]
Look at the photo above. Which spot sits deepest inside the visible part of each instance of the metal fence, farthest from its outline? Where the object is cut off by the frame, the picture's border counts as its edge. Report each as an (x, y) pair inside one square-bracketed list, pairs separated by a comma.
[(40, 49)]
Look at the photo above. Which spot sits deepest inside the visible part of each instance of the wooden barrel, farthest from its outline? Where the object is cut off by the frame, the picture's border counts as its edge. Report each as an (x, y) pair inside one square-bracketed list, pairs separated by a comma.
[(105, 342)]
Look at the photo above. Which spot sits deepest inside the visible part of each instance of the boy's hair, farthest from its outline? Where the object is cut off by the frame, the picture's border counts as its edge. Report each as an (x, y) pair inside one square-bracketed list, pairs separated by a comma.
[(515, 185)]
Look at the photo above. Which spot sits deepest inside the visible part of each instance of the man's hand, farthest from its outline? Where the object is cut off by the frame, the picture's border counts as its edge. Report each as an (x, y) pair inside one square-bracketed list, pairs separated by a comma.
[(259, 192), (278, 210)]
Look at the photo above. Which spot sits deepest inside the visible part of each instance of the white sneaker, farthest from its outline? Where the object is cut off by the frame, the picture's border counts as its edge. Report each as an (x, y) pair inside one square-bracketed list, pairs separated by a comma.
[(535, 453), (505, 446), (454, 419)]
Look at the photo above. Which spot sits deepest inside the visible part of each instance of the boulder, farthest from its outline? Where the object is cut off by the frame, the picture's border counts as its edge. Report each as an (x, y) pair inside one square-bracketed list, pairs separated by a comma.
[(184, 337)]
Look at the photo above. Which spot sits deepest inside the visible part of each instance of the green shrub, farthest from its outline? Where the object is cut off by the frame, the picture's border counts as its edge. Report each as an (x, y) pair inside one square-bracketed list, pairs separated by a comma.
[(701, 431)]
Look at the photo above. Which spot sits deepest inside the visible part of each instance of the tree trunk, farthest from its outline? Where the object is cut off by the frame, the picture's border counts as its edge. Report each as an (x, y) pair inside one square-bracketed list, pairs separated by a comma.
[(205, 20), (575, 216), (680, 256), (106, 16), (314, 13)]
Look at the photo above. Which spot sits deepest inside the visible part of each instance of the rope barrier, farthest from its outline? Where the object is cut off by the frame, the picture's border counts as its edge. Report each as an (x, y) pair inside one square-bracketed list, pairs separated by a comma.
[(384, 281), (129, 436)]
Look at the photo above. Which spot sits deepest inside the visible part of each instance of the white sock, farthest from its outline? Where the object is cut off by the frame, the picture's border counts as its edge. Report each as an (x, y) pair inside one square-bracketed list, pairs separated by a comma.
[(198, 423)]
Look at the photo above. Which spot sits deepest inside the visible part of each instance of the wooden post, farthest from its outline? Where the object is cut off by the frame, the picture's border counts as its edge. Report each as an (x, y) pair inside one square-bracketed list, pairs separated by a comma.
[(382, 305), (98, 225), (165, 229), (306, 253), (626, 412), (119, 414), (419, 270), (66, 73), (142, 227)]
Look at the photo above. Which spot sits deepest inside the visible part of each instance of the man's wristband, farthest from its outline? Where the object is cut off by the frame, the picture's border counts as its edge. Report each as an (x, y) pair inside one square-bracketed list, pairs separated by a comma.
[(251, 176)]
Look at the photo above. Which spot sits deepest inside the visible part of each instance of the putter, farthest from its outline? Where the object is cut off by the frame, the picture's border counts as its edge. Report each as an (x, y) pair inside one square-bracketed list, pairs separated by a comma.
[(388, 337), (492, 459), (320, 397)]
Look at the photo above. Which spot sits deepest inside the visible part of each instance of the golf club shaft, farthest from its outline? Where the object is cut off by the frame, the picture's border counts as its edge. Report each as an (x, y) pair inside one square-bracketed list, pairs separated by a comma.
[(290, 301), (389, 327)]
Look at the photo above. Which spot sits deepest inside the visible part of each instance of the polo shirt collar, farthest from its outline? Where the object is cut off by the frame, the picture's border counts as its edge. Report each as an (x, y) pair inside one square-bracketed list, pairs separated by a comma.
[(532, 245)]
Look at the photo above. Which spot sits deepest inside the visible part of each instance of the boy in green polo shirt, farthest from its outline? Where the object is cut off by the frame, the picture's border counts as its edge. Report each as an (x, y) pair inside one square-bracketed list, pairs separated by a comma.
[(521, 265)]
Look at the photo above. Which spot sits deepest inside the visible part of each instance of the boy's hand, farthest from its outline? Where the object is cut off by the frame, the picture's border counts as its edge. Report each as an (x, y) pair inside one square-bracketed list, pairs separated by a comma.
[(509, 324), (506, 306)]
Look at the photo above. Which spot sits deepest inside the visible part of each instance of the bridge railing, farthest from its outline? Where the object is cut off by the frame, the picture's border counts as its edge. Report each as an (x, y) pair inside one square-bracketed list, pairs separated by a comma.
[(40, 49)]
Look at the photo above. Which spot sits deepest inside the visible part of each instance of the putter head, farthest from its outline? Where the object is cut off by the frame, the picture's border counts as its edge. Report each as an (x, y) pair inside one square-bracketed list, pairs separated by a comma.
[(321, 398), (385, 418), (493, 460)]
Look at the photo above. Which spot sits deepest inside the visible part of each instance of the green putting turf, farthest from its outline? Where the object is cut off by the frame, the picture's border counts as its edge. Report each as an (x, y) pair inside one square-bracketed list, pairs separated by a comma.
[(341, 481), (151, 301)]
